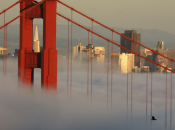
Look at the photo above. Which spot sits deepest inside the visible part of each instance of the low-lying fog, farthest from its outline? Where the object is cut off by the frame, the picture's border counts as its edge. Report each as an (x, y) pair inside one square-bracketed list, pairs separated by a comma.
[(25, 108)]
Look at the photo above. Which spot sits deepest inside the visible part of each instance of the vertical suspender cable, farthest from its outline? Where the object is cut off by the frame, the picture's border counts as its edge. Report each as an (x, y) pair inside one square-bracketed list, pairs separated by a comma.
[(166, 104), (131, 83), (91, 58), (127, 91), (147, 95), (171, 100), (68, 62), (151, 86), (111, 69), (71, 57), (4, 64), (6, 53), (107, 74), (88, 68)]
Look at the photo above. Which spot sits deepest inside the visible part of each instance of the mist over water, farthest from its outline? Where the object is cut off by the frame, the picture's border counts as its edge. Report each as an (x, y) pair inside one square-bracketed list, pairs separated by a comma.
[(26, 108)]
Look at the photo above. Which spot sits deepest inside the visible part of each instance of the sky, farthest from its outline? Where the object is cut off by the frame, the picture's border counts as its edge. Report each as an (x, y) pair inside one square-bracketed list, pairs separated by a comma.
[(131, 14), (23, 107)]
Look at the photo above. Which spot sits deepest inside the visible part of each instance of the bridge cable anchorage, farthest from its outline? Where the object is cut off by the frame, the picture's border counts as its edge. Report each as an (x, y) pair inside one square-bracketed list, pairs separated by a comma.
[(22, 14), (114, 31), (91, 58), (68, 63), (111, 70), (71, 57), (171, 100), (116, 43), (88, 68)]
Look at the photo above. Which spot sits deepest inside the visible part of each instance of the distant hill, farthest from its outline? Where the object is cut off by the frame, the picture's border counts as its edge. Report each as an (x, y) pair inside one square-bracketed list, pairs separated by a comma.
[(149, 38)]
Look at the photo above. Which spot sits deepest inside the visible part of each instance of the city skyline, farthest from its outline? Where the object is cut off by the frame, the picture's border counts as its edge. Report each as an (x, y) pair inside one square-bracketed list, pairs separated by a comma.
[(42, 90)]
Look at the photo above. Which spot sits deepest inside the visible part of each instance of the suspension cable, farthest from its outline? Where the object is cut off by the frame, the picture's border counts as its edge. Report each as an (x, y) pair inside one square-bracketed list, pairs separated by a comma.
[(71, 57), (131, 82), (91, 58), (113, 30), (147, 95), (111, 69), (10, 7), (68, 62), (166, 103), (171, 100), (151, 85), (88, 67), (22, 13), (107, 75)]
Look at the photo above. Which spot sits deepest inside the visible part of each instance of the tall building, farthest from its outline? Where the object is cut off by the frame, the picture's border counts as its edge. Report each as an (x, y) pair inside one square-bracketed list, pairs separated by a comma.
[(132, 34), (160, 45), (36, 44), (126, 62)]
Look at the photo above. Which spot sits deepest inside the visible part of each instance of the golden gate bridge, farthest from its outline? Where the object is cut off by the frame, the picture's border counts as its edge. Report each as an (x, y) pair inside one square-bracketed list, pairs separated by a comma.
[(47, 59)]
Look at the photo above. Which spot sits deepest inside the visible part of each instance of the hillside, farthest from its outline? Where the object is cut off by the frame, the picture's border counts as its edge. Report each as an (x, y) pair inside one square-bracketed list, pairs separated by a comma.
[(149, 38)]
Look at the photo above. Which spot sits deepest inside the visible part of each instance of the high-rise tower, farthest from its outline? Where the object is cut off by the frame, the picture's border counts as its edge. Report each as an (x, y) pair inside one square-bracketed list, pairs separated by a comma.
[(132, 34), (36, 44)]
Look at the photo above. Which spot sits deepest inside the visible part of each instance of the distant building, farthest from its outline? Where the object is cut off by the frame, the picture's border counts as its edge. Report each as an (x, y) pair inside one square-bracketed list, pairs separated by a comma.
[(97, 53), (16, 53), (123, 62), (115, 59), (128, 44), (77, 50), (145, 69), (36, 44), (147, 54), (3, 51), (163, 61), (126, 62), (158, 59), (160, 45)]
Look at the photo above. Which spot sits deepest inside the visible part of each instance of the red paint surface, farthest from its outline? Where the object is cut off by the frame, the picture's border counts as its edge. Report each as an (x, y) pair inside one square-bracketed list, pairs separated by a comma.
[(47, 59)]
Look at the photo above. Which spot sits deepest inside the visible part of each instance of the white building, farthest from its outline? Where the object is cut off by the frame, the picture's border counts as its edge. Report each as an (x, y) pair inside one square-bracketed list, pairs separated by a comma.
[(126, 62), (97, 53), (36, 44), (3, 51)]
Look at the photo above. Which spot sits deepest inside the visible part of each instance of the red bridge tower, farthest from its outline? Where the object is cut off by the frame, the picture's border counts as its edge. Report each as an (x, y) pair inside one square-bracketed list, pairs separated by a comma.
[(47, 59)]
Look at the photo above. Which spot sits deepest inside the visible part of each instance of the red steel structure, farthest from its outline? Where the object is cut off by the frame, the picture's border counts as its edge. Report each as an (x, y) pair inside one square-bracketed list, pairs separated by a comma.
[(27, 58), (47, 59)]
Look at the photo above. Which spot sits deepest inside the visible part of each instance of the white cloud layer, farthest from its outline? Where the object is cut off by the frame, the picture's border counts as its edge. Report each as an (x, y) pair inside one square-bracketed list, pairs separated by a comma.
[(33, 108)]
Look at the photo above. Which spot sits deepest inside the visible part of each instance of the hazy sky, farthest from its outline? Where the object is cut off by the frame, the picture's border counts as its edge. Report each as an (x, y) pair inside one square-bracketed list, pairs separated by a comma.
[(146, 14)]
